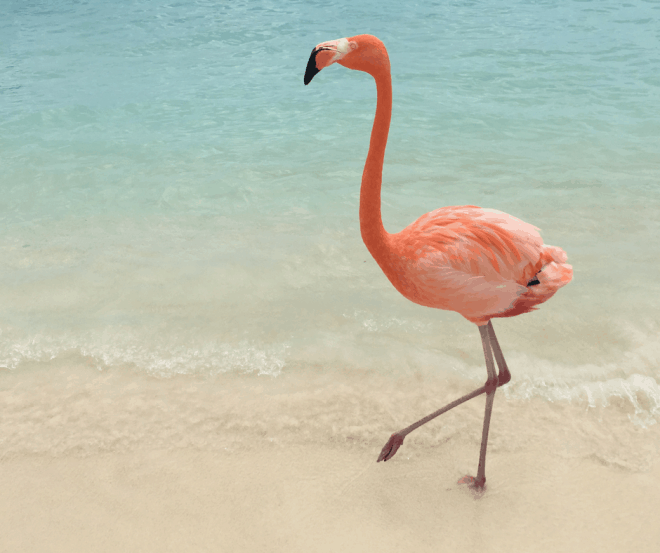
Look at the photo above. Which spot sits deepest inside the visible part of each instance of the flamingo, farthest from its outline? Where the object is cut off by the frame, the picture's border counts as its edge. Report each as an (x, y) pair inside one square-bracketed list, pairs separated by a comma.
[(481, 263)]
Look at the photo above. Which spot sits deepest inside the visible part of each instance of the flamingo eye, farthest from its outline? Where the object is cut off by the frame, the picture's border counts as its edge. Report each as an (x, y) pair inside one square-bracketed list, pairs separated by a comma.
[(354, 45)]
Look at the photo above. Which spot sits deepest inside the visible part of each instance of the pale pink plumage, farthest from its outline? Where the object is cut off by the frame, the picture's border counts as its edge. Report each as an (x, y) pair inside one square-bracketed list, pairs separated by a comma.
[(476, 262)]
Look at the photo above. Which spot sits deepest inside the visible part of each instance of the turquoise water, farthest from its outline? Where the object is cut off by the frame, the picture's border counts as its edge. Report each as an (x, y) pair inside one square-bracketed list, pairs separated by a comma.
[(174, 201)]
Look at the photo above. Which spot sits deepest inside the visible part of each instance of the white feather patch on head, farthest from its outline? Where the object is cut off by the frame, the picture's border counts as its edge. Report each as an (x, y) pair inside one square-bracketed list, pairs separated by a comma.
[(343, 48)]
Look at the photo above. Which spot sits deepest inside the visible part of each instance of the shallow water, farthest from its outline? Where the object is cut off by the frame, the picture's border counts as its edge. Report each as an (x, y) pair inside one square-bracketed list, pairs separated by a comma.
[(177, 205)]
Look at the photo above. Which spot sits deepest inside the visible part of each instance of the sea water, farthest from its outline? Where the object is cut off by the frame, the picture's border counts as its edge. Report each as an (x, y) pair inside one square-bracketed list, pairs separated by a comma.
[(181, 261)]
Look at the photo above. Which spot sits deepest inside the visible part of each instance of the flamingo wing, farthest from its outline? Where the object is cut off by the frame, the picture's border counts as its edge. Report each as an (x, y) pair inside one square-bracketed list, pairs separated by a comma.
[(477, 262)]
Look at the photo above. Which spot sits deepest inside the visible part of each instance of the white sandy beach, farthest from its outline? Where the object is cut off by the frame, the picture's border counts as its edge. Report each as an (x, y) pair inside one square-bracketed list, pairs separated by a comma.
[(118, 461), (311, 498)]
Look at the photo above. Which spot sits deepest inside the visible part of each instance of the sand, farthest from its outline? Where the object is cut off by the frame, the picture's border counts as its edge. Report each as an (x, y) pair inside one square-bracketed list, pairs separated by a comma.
[(96, 461), (313, 498)]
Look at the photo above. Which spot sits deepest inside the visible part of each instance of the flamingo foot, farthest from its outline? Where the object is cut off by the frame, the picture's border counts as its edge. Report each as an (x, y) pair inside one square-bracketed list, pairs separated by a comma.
[(472, 482), (391, 447)]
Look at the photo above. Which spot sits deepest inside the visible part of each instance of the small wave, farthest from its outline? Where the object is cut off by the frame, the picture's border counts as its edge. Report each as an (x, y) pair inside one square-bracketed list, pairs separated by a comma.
[(158, 359), (640, 392)]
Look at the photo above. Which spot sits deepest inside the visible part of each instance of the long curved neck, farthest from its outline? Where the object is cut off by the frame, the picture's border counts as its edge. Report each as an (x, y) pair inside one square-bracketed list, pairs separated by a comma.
[(371, 222)]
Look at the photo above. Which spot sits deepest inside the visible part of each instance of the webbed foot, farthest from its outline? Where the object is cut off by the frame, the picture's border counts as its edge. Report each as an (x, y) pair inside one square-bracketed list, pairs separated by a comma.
[(472, 482), (391, 447)]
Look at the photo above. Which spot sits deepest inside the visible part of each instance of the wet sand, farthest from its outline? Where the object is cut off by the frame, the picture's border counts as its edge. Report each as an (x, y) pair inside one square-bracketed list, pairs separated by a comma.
[(314, 498)]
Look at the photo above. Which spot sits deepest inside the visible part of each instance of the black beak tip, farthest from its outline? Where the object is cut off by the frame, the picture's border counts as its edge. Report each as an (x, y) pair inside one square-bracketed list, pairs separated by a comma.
[(311, 67)]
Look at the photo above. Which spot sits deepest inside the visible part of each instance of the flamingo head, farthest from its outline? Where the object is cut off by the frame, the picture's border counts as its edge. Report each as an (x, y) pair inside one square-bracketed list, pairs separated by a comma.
[(361, 52)]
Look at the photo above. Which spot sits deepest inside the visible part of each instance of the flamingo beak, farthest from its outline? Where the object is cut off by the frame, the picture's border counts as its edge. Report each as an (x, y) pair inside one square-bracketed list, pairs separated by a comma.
[(326, 54)]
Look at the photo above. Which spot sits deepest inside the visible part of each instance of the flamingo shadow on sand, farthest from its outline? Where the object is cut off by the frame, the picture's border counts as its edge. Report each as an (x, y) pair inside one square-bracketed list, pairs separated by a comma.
[(481, 263)]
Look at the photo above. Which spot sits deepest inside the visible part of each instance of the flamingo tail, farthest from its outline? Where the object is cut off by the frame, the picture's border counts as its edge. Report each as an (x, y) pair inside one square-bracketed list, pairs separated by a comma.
[(554, 274)]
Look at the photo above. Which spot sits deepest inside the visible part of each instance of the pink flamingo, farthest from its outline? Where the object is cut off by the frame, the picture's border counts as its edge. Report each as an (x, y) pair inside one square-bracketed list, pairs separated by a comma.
[(481, 263)]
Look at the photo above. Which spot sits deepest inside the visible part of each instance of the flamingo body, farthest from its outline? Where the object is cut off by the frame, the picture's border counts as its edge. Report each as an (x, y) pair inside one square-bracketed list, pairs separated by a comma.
[(477, 262)]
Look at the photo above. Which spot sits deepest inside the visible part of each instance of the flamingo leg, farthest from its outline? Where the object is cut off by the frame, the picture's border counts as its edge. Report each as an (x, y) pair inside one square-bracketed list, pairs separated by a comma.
[(491, 385), (490, 346), (396, 439), (504, 375)]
